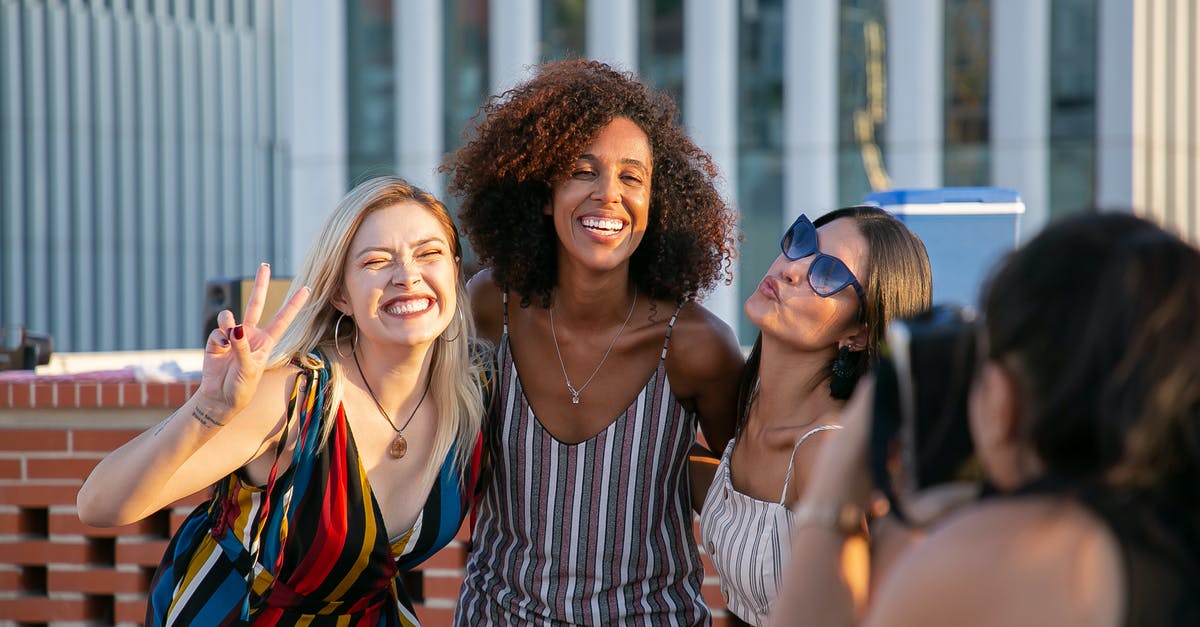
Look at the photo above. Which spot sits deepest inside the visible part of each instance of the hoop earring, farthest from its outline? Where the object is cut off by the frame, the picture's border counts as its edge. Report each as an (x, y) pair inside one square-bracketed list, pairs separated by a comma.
[(462, 323), (844, 374), (337, 336)]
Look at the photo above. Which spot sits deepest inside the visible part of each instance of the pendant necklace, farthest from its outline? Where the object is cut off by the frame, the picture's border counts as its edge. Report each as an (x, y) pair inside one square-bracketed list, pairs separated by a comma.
[(399, 446), (575, 392)]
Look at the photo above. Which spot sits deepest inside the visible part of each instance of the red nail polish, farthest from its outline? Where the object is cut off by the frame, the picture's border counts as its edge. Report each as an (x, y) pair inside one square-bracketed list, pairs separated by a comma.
[(238, 332)]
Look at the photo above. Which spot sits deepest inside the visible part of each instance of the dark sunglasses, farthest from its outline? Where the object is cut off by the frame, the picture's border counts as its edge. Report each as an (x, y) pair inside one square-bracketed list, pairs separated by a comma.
[(827, 275)]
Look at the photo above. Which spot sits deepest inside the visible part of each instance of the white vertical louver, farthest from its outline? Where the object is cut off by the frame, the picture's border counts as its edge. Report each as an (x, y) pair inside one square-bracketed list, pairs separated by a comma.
[(139, 157)]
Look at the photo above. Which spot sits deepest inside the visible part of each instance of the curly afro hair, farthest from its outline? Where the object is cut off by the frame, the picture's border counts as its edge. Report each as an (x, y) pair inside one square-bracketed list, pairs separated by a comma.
[(527, 139)]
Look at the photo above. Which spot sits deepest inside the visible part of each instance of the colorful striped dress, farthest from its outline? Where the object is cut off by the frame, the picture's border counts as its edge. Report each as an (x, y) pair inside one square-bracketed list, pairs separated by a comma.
[(311, 546), (596, 533)]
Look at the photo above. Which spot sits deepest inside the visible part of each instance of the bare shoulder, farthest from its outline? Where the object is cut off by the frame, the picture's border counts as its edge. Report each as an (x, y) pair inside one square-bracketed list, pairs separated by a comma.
[(703, 348), (1052, 553), (487, 305)]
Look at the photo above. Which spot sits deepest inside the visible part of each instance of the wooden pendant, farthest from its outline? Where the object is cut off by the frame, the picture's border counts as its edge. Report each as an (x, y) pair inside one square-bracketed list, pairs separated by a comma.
[(399, 447)]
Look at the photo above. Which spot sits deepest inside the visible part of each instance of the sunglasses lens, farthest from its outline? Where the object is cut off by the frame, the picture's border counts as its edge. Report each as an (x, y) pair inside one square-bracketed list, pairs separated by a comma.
[(828, 275), (800, 241)]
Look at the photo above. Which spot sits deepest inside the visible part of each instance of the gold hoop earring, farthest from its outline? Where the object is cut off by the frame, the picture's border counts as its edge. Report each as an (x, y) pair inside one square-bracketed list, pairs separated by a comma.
[(458, 315), (337, 336)]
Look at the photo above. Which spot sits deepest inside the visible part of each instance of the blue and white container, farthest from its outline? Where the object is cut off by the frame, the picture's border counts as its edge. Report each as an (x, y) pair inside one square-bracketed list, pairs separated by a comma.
[(965, 229)]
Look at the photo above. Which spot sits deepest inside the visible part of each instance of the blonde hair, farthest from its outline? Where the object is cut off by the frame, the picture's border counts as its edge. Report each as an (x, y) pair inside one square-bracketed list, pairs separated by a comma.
[(459, 359)]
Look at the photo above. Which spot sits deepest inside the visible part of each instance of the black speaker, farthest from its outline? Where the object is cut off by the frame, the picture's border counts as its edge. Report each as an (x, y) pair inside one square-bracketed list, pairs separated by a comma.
[(232, 294)]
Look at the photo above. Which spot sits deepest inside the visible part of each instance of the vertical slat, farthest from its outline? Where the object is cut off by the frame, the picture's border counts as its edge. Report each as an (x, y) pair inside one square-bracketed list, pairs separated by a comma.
[(1194, 139), (1179, 202), (130, 294), (170, 200), (190, 247), (12, 310), (149, 247), (61, 287), (230, 127), (214, 221), (248, 182), (36, 207), (103, 165), (83, 242)]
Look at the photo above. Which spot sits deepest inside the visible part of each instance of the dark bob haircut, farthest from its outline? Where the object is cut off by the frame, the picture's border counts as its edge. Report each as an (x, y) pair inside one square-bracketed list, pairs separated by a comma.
[(527, 139)]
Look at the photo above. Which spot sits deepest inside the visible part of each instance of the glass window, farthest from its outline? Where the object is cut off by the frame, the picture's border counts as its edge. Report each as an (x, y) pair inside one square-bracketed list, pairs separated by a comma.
[(1072, 105), (966, 81), (760, 137), (370, 90), (660, 46), (563, 29), (862, 99), (465, 65)]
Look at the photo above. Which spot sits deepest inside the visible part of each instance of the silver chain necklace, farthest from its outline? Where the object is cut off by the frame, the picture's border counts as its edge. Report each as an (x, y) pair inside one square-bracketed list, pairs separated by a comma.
[(575, 392)]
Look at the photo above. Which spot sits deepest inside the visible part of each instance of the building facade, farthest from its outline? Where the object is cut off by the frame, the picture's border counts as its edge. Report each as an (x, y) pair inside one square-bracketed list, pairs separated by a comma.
[(149, 146)]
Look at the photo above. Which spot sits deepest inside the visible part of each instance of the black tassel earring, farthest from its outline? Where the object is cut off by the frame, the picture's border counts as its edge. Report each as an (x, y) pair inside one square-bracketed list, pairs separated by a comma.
[(844, 375)]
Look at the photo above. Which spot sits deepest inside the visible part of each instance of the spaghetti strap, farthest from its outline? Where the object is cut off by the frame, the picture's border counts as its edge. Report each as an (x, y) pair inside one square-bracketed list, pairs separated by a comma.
[(787, 480), (504, 298), (670, 327)]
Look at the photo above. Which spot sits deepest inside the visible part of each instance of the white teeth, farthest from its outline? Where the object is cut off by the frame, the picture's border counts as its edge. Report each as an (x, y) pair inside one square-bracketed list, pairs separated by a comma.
[(409, 306), (611, 225)]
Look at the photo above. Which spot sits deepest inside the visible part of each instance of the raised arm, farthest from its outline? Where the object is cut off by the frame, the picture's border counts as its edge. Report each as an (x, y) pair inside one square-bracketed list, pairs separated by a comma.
[(228, 422), (704, 364)]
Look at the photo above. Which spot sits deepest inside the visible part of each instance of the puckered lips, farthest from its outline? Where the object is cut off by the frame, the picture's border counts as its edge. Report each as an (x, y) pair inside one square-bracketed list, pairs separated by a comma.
[(769, 287), (408, 305)]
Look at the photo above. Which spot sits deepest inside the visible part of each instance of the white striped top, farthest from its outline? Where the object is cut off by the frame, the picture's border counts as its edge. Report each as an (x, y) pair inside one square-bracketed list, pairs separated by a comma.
[(747, 539), (597, 532)]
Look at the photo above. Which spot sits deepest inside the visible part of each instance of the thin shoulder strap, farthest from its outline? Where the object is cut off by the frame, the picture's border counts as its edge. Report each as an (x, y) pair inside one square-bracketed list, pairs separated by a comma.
[(670, 327), (792, 460), (504, 297)]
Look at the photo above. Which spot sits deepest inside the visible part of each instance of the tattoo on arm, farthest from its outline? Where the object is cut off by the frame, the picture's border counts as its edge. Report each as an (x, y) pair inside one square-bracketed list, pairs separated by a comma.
[(163, 425), (205, 419)]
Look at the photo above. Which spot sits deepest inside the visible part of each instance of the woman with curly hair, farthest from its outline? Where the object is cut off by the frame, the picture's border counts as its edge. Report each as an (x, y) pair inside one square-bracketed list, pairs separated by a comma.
[(598, 224)]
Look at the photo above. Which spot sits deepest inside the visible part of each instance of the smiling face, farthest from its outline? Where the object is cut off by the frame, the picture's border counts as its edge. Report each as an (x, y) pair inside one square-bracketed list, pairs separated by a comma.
[(400, 276), (785, 306), (600, 211)]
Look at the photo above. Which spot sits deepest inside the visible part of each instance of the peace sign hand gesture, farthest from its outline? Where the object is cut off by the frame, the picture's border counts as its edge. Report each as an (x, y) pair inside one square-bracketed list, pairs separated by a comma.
[(236, 355)]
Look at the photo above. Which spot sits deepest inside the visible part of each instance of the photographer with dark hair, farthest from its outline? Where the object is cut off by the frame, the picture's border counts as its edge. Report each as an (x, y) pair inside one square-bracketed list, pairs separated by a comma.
[(1084, 413)]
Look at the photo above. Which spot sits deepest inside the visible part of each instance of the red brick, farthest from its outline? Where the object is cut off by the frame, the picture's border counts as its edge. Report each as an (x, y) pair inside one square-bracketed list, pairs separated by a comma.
[(60, 468), (177, 394), (453, 555), (63, 523), (464, 531), (722, 621), (85, 395), (20, 395), (42, 552), (100, 440), (26, 440), (712, 596), (10, 579), (444, 588), (36, 609), (129, 610), (10, 469), (110, 395), (10, 522), (94, 581), (435, 616), (156, 395), (133, 394), (44, 395), (32, 495), (140, 552)]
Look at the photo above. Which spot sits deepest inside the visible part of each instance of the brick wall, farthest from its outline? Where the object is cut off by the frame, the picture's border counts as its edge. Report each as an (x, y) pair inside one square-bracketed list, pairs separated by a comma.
[(56, 570)]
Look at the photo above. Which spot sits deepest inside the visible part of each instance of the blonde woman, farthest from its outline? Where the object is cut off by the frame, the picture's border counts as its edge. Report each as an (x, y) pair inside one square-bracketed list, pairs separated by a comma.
[(342, 446)]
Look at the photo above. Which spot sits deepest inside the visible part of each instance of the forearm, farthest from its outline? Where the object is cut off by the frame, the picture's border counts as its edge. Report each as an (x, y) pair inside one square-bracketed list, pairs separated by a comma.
[(134, 481)]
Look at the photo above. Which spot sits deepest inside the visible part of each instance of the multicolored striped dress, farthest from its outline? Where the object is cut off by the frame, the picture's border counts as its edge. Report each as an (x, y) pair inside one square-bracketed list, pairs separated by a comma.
[(598, 532), (311, 547)]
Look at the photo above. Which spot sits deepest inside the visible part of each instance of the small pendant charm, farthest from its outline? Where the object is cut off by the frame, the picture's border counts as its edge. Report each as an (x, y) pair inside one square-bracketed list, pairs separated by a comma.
[(399, 447), (574, 399)]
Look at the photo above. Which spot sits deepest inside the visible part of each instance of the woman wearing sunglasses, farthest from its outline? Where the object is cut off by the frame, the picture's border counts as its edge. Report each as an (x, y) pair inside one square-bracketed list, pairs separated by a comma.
[(821, 311)]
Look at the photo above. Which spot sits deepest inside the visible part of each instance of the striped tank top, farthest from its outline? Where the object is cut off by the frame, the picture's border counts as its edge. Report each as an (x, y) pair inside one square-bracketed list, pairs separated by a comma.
[(747, 539), (595, 533), (311, 547)]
